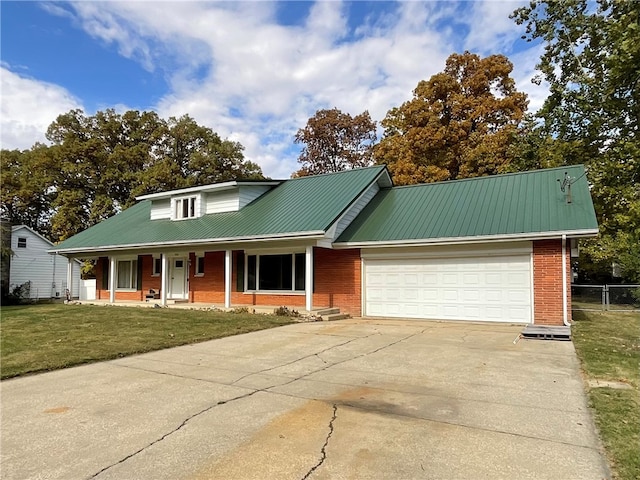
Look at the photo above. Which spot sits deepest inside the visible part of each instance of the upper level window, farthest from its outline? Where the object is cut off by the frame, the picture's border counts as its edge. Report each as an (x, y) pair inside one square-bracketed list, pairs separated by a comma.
[(184, 208), (22, 242)]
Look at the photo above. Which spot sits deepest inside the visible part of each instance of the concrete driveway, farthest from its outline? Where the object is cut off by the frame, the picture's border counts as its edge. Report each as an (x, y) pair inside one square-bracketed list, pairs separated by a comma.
[(352, 399)]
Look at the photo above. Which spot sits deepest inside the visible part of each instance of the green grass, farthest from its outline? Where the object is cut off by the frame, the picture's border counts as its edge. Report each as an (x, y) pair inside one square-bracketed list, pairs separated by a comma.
[(37, 338), (608, 345)]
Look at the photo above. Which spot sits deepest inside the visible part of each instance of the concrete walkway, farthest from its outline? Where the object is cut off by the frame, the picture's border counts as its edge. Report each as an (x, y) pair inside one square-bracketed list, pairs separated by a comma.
[(356, 399)]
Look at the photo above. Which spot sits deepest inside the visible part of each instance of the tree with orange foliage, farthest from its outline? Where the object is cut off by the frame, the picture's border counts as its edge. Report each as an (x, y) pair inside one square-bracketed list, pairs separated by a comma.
[(459, 123)]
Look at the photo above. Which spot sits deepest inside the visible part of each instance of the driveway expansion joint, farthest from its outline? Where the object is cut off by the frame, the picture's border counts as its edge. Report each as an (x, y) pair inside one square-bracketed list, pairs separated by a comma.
[(323, 450)]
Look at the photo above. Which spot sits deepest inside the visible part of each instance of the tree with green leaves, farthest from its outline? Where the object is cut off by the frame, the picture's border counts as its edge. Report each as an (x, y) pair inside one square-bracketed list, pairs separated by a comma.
[(335, 141), (591, 62), (96, 166), (459, 123)]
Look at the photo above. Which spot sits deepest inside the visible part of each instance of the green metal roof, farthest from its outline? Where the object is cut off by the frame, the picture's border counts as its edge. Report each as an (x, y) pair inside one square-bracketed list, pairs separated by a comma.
[(296, 207), (501, 205)]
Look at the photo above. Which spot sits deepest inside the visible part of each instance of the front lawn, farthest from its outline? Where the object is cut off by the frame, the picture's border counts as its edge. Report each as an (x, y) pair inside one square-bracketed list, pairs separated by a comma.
[(37, 338), (608, 345)]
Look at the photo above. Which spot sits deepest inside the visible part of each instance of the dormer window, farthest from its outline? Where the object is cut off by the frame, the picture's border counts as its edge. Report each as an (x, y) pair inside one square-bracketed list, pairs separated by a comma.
[(185, 207)]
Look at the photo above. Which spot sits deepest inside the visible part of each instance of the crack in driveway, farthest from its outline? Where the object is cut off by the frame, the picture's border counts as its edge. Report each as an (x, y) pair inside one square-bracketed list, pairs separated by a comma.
[(323, 450), (179, 427), (264, 390)]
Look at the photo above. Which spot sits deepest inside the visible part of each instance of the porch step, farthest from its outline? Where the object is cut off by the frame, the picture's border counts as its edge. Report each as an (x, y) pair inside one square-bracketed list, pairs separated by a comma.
[(334, 316), (324, 312), (173, 302), (545, 332)]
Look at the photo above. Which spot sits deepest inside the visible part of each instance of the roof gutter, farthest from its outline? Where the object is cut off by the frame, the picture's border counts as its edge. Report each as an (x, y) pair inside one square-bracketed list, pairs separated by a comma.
[(182, 243), (468, 240)]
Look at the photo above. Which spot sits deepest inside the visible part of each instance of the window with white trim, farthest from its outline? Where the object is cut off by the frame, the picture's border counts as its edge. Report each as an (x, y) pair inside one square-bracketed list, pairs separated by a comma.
[(157, 267), (199, 266), (127, 275), (22, 242), (284, 272), (184, 207)]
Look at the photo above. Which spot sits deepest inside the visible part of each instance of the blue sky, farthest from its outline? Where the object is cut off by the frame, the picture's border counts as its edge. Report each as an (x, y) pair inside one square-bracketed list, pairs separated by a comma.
[(252, 71)]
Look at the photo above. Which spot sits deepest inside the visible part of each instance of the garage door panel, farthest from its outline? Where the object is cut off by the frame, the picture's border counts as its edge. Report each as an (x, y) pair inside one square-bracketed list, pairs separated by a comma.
[(474, 288)]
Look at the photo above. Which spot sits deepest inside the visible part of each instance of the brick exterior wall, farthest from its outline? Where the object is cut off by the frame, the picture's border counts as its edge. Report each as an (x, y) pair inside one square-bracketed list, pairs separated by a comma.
[(547, 282), (336, 284), (338, 280), (208, 288)]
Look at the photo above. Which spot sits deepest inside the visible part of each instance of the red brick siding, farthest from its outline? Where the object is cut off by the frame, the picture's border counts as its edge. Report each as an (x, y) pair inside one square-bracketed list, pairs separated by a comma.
[(337, 284), (208, 288), (547, 282), (338, 280)]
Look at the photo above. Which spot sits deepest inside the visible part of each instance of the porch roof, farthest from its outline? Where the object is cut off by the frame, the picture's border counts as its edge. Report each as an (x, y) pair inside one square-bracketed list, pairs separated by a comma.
[(296, 208)]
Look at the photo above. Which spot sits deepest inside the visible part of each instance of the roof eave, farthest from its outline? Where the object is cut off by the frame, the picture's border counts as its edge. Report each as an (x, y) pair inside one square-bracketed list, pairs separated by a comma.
[(466, 240), (206, 188), (199, 242)]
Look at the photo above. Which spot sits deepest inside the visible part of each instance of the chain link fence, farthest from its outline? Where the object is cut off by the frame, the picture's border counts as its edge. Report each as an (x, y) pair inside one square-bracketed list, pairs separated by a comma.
[(605, 297)]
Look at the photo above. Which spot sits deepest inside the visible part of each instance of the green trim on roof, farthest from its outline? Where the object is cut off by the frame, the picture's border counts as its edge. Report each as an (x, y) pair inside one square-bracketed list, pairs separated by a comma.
[(298, 206), (500, 205)]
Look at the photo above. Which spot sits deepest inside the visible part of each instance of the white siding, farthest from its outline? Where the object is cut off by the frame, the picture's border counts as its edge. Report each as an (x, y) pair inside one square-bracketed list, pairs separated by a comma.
[(47, 273), (226, 201), (248, 193), (161, 209), (356, 208)]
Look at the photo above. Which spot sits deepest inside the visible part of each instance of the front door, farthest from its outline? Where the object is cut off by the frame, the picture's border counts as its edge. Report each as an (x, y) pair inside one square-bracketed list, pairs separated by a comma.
[(178, 280)]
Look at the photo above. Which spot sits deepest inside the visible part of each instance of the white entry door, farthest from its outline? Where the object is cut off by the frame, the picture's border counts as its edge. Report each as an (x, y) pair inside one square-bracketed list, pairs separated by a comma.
[(178, 279), (496, 288)]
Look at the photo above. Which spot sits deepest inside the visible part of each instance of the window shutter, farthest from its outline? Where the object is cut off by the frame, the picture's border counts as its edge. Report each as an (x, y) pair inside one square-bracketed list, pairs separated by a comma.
[(139, 276), (105, 273), (240, 271)]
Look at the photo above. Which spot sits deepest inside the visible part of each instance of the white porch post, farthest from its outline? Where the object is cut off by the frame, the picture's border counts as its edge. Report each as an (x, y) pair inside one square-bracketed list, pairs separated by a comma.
[(308, 278), (112, 279), (227, 279), (70, 276), (164, 275)]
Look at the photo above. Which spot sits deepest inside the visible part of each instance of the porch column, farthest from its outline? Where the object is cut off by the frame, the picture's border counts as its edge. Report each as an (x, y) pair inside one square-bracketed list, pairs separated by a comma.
[(70, 276), (112, 279), (227, 279), (308, 278), (164, 275)]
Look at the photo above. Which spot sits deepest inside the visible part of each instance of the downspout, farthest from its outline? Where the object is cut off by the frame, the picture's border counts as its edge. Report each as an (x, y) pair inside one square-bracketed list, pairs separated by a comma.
[(565, 315)]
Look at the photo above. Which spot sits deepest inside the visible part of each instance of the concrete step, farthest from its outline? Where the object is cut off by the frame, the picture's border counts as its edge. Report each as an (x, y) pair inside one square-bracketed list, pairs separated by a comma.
[(324, 311), (334, 316), (173, 302)]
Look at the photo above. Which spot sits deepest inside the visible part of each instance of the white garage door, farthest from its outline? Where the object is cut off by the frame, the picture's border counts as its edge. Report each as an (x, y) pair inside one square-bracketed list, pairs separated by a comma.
[(478, 288)]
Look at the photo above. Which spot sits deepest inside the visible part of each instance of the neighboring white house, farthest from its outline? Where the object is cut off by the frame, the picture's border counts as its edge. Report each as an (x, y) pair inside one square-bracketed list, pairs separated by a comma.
[(30, 261)]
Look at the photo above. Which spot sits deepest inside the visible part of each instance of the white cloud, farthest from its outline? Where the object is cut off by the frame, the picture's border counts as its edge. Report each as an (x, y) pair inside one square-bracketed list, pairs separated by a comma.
[(28, 107), (263, 80), (491, 29)]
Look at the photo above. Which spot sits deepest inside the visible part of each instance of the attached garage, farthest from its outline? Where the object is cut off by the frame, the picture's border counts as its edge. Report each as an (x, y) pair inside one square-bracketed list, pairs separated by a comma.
[(488, 287)]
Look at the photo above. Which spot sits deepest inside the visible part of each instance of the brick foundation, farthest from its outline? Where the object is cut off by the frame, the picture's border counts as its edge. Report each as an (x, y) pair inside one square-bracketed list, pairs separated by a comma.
[(547, 282)]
